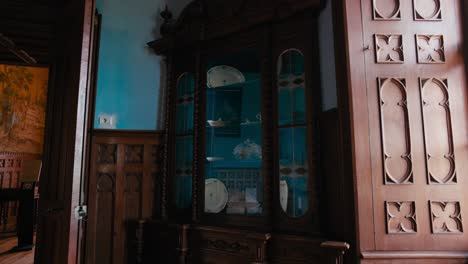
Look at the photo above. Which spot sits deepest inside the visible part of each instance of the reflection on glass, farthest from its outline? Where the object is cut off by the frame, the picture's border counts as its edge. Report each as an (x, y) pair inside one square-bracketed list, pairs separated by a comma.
[(233, 135), (293, 171), (184, 140)]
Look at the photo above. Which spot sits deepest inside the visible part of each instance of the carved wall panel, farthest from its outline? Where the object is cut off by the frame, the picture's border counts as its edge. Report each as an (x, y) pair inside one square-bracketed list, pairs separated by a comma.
[(105, 214), (446, 217), (133, 194), (401, 217), (431, 49), (395, 131), (386, 10), (134, 153), (410, 140), (389, 48), (427, 10), (440, 158), (122, 171), (107, 153)]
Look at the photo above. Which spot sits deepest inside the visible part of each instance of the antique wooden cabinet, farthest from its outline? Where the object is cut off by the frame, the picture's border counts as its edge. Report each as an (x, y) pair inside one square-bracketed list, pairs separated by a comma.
[(242, 180)]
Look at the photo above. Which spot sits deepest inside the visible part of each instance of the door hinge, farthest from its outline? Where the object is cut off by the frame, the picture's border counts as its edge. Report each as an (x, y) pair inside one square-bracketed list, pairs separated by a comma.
[(81, 212)]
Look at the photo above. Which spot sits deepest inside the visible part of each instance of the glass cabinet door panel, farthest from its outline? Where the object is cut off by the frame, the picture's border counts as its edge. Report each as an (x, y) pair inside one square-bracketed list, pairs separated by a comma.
[(184, 140), (292, 134), (185, 103), (183, 173), (293, 170), (234, 183), (290, 83)]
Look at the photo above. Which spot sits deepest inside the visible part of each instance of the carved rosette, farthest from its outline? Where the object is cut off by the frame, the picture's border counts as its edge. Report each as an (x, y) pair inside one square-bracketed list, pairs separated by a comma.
[(395, 131), (431, 49), (427, 10), (386, 10), (10, 163), (401, 217), (389, 48), (446, 217), (107, 154), (134, 153), (438, 136)]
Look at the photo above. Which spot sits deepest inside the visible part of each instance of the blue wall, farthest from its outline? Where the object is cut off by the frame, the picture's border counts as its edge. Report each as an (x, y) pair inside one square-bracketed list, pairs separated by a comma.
[(129, 73)]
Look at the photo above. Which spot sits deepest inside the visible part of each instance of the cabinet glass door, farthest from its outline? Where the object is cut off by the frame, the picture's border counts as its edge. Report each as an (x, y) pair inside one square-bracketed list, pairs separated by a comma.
[(292, 133), (233, 164), (184, 140)]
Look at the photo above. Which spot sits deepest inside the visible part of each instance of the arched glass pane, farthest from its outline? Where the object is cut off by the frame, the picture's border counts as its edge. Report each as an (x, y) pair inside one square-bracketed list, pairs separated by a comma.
[(184, 140), (292, 131)]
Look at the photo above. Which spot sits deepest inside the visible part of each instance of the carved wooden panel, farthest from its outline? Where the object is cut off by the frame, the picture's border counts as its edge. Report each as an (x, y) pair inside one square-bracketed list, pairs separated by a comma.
[(401, 217), (105, 214), (134, 153), (395, 131), (427, 10), (389, 48), (234, 246), (122, 171), (133, 194), (386, 10), (409, 138), (446, 217), (107, 153), (437, 118), (430, 48)]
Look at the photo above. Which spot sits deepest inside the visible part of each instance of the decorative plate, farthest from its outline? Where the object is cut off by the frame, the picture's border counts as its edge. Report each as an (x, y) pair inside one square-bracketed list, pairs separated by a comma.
[(216, 196), (247, 150), (223, 75), (284, 195), (212, 159), (216, 123)]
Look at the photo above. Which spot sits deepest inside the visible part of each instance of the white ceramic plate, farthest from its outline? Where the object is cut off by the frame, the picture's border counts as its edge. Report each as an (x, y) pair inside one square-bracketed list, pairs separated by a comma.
[(284, 195), (216, 196), (212, 159), (223, 75)]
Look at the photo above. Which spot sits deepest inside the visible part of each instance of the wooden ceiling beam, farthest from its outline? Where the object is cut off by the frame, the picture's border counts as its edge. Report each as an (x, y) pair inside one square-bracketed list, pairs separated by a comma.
[(21, 54)]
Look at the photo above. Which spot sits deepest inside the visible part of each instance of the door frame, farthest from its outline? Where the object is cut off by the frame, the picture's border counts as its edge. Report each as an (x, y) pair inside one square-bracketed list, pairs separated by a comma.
[(59, 233)]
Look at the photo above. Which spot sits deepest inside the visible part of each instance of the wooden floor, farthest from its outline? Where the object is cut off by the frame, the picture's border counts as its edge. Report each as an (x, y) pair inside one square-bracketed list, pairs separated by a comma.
[(15, 258)]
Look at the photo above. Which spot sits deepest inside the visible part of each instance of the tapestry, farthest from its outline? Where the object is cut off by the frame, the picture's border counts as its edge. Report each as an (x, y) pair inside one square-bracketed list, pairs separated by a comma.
[(23, 99)]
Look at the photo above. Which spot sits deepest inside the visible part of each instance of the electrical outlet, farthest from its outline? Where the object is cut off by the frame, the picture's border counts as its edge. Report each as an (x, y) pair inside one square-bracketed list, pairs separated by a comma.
[(107, 121)]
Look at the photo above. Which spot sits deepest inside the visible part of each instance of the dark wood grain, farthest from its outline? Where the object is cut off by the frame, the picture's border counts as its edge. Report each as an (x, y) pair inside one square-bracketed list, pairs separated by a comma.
[(124, 167), (376, 137), (63, 174)]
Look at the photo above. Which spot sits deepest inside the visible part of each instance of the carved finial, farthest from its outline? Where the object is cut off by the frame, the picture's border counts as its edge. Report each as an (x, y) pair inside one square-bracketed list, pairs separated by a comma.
[(167, 24), (166, 14)]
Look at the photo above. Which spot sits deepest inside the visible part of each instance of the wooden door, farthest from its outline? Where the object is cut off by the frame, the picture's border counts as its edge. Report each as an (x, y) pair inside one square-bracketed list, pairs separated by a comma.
[(58, 236), (409, 120)]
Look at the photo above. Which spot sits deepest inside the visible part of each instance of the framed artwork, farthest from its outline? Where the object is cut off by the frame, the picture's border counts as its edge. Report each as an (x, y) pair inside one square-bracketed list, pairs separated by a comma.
[(23, 100)]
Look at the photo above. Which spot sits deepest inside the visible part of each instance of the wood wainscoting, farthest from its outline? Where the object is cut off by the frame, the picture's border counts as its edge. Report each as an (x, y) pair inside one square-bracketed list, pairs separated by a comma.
[(408, 116), (124, 167), (10, 168)]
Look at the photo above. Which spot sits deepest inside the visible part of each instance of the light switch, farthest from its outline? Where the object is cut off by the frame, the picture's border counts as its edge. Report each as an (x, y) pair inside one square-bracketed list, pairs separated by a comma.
[(107, 121)]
